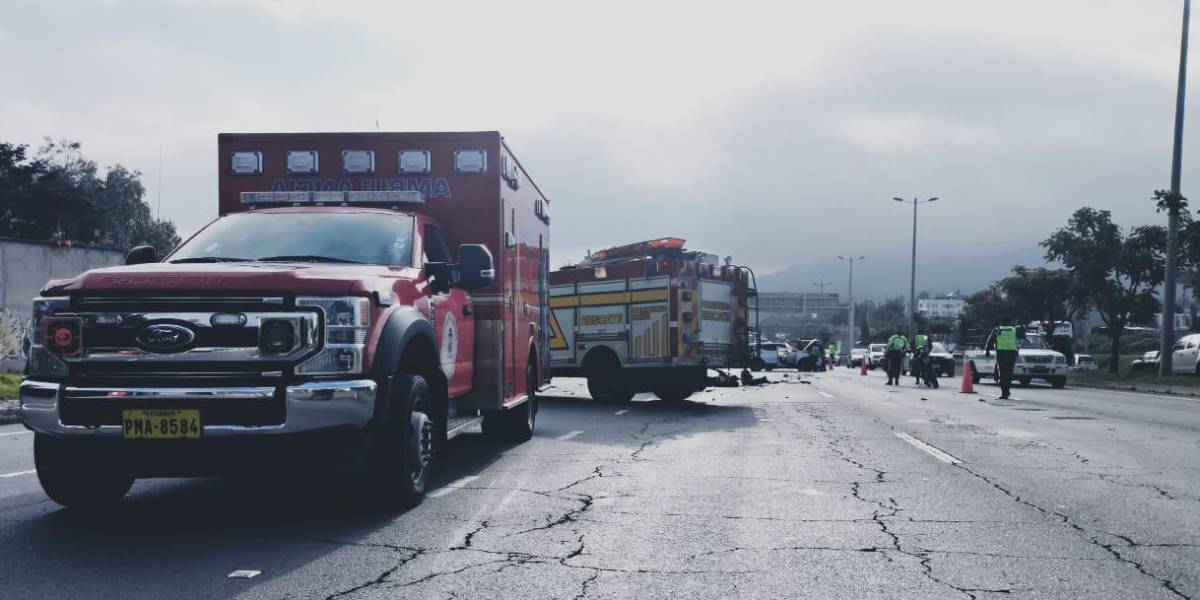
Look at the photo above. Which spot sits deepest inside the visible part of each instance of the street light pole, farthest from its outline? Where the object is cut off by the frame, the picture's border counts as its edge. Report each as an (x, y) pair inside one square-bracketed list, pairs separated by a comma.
[(850, 298), (912, 280), (1167, 343)]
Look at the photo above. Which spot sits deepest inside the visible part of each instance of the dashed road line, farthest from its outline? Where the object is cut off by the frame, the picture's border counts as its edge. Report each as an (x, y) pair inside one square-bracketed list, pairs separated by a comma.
[(568, 435), (930, 450), (825, 394), (452, 486), (621, 412), (18, 474), (12, 433)]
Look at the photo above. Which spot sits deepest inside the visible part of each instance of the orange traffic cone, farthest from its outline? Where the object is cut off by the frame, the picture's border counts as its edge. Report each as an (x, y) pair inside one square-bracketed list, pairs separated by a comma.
[(968, 382), (863, 364)]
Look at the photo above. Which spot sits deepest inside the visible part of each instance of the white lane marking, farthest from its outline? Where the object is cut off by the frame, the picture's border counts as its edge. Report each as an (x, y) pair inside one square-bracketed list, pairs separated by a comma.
[(453, 485), (11, 433), (621, 412), (570, 434), (930, 450), (18, 474), (830, 396), (244, 574)]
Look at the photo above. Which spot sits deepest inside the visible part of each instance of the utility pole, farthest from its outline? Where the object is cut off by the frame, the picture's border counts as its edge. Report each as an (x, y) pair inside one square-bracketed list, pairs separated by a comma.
[(1167, 343), (850, 297), (912, 281)]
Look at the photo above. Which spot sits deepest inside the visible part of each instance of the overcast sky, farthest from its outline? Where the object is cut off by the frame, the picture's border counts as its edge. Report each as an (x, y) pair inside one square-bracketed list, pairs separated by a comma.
[(774, 132)]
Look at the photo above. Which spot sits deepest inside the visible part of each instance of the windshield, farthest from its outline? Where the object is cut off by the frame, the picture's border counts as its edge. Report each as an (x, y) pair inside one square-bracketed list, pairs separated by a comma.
[(1033, 342), (367, 238), (877, 347), (939, 348)]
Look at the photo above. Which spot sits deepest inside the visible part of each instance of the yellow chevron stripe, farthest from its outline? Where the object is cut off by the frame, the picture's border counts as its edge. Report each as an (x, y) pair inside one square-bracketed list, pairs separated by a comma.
[(652, 295)]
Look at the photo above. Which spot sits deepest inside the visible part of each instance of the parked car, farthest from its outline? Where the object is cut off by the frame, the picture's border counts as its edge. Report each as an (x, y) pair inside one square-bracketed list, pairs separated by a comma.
[(943, 359), (857, 355), (1185, 355), (1146, 364), (770, 356), (875, 355), (1084, 362)]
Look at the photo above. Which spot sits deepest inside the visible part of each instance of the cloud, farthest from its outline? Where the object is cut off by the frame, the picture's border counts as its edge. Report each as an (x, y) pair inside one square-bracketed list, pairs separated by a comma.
[(777, 132)]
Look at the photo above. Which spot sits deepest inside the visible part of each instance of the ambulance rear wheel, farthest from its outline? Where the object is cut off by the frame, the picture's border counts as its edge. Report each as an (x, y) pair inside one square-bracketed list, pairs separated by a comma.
[(515, 424)]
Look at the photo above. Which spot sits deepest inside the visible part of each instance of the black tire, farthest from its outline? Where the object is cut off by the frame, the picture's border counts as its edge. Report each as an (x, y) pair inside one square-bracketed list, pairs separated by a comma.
[(769, 368), (400, 458), (1025, 381), (1058, 382), (757, 365), (73, 475), (515, 424), (606, 382), (673, 390)]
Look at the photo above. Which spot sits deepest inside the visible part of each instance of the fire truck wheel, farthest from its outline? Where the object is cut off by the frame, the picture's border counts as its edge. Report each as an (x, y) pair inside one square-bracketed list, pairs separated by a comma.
[(605, 380), (516, 424), (675, 391), (402, 449), (72, 475)]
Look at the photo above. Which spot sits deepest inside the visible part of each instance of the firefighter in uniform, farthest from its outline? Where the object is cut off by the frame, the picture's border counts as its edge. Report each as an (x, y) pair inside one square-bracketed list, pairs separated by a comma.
[(896, 346), (1004, 341)]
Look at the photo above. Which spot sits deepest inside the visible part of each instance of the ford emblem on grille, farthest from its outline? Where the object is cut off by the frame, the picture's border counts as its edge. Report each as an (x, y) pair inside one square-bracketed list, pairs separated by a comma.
[(165, 337)]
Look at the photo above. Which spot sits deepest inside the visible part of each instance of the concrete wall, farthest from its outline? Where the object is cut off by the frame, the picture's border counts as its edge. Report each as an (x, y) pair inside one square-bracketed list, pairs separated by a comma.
[(24, 268)]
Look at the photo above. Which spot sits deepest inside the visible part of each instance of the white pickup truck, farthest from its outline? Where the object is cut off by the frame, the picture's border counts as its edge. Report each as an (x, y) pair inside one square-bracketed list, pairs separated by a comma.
[(1035, 360)]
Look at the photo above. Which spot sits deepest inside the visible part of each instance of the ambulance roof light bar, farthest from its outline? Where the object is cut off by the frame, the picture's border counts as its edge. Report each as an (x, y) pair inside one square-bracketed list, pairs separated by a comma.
[(639, 248), (295, 198)]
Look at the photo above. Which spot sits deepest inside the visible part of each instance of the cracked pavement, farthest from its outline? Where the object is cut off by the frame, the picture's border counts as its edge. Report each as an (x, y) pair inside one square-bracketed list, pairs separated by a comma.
[(784, 490)]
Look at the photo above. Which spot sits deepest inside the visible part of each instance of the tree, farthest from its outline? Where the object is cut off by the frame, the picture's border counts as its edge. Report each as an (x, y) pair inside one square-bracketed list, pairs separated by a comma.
[(1118, 272), (1049, 297), (58, 195), (983, 311)]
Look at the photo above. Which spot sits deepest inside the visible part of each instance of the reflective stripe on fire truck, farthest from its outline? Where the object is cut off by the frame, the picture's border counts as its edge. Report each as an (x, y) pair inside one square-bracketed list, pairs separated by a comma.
[(602, 299)]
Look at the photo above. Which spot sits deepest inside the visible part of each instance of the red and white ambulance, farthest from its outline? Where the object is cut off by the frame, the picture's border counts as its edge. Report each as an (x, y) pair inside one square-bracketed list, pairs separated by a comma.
[(361, 298)]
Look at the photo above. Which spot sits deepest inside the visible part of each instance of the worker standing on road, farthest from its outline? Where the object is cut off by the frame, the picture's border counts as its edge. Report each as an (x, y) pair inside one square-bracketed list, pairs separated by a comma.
[(896, 346), (832, 355), (916, 365), (1004, 341)]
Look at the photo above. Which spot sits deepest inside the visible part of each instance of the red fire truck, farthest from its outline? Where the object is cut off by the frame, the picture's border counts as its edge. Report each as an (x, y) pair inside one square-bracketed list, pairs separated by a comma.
[(362, 298), (651, 316)]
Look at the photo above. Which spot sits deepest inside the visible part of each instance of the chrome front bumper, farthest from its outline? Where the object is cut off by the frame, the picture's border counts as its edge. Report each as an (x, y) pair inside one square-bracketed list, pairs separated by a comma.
[(309, 407)]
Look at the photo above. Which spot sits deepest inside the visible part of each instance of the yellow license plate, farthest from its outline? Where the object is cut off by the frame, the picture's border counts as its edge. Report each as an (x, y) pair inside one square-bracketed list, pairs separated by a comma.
[(160, 424)]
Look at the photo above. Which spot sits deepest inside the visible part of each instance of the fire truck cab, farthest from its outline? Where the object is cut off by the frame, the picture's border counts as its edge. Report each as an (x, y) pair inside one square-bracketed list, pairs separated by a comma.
[(362, 298), (651, 316)]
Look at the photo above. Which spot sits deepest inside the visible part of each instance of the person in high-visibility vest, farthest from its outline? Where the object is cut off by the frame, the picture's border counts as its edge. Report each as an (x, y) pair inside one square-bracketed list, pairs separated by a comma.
[(1004, 341), (832, 355), (896, 346), (920, 355)]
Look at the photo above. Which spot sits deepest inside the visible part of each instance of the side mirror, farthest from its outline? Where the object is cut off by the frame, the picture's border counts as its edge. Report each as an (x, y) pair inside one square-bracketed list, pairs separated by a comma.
[(141, 255), (475, 267)]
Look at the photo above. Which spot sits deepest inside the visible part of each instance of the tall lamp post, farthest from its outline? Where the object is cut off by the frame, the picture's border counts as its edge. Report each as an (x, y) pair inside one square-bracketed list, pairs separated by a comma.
[(1167, 344), (912, 282), (850, 296)]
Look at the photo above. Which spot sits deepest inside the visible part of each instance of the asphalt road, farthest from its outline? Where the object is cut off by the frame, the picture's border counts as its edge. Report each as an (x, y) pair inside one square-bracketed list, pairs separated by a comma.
[(835, 487)]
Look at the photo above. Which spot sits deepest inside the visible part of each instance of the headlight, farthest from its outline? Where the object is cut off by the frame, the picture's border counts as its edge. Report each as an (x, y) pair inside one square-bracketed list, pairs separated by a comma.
[(50, 337), (347, 322), (1060, 360)]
